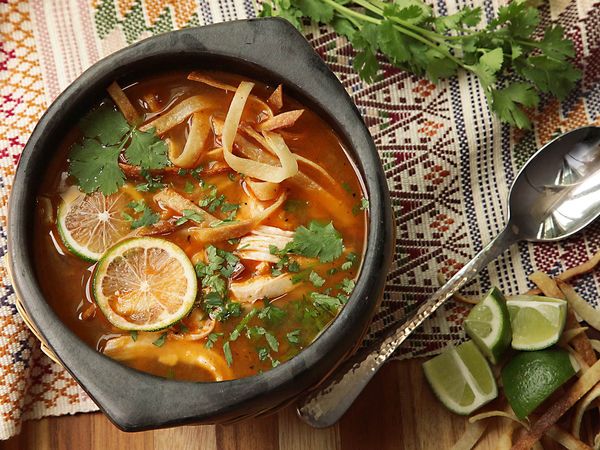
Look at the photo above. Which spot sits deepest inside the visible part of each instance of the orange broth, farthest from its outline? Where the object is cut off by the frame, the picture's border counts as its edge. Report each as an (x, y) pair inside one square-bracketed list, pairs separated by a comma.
[(65, 278)]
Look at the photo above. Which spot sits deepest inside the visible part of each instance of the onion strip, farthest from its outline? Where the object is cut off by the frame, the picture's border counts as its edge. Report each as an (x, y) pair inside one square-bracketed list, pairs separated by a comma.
[(177, 114), (199, 131), (566, 439), (123, 103), (249, 167)]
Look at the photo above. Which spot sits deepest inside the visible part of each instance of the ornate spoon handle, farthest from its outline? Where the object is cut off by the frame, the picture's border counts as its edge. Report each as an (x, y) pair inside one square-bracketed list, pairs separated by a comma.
[(326, 405)]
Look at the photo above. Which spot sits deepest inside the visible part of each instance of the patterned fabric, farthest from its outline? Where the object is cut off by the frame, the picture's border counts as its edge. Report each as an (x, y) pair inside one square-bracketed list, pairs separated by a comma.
[(449, 163)]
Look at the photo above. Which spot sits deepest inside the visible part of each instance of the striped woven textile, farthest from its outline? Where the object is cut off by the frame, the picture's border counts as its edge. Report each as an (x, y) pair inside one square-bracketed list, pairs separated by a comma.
[(448, 161)]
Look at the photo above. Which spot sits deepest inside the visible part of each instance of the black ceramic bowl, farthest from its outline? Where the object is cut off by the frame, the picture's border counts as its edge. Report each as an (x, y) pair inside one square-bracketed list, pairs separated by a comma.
[(265, 49)]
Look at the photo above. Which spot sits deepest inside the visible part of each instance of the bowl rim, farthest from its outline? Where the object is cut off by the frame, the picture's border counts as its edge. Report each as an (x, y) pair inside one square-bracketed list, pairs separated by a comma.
[(144, 401)]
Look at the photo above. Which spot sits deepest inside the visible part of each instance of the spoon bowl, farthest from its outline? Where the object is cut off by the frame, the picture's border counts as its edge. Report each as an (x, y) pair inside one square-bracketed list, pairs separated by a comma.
[(557, 192), (555, 195)]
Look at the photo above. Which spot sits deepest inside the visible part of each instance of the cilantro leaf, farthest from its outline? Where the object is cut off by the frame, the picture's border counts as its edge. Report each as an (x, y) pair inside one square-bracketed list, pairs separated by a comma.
[(106, 124), (293, 337), (391, 43), (317, 241), (316, 279), (190, 214), (326, 302), (96, 167), (147, 150), (506, 103), (317, 9), (161, 340)]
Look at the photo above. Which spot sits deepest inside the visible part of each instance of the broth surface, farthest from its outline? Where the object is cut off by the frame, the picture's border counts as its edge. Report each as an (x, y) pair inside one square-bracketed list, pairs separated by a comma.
[(279, 327)]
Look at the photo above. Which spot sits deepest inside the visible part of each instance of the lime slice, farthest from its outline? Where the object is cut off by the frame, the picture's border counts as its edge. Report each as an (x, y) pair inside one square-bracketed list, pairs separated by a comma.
[(461, 378), (488, 324), (531, 377), (145, 284), (537, 322), (91, 223)]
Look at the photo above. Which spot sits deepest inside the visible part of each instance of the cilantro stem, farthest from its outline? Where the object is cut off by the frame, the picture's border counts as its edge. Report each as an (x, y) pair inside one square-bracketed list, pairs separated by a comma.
[(400, 25)]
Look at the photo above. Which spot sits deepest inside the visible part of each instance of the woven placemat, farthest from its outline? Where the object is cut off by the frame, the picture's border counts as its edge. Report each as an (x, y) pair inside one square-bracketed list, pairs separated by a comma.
[(448, 162)]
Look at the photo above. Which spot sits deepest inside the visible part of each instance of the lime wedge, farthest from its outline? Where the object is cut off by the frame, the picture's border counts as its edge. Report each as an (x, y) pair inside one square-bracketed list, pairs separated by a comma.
[(488, 324), (531, 377), (461, 378), (145, 284), (91, 223), (537, 322)]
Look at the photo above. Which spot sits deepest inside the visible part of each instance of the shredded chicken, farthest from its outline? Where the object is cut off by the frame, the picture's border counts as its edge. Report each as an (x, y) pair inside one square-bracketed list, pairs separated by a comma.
[(256, 245), (260, 287)]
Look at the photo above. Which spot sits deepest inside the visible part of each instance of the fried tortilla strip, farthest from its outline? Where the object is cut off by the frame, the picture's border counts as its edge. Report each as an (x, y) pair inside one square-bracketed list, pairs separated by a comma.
[(176, 114), (123, 103), (550, 288), (581, 387), (472, 434), (152, 102), (178, 203), (160, 227), (275, 101), (210, 81), (566, 439), (136, 173), (581, 269), (194, 145), (283, 120), (582, 407), (581, 342), (547, 285)]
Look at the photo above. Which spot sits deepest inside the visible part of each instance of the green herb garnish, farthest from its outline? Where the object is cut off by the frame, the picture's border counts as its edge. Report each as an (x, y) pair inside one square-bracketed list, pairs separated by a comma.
[(316, 279), (293, 337), (211, 340), (94, 162), (227, 353), (146, 216), (190, 214), (412, 38), (161, 340)]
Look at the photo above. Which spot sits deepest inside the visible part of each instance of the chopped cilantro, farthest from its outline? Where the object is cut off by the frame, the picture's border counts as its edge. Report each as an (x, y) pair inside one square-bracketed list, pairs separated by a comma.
[(152, 183), (161, 340), (272, 314), (350, 261), (316, 279), (275, 362), (227, 353), (272, 341), (211, 340), (134, 335), (146, 216), (293, 337), (242, 324), (263, 353), (326, 302), (347, 285), (363, 205), (346, 187), (294, 205), (190, 214), (188, 188)]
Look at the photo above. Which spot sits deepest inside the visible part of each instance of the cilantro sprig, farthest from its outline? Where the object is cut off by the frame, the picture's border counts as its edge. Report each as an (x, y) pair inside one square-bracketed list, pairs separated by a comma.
[(411, 37), (94, 161)]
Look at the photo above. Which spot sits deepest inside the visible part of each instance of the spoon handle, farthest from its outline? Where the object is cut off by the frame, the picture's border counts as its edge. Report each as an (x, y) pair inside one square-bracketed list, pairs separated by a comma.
[(328, 403)]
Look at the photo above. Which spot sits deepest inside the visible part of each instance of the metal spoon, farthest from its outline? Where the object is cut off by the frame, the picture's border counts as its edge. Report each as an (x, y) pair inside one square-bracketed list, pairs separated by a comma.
[(556, 194)]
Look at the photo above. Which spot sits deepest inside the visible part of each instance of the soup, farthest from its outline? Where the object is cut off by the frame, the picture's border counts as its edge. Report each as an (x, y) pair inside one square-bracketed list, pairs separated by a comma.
[(199, 226)]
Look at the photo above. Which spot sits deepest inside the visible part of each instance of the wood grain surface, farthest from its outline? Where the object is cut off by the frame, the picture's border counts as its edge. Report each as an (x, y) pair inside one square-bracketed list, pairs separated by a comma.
[(396, 411)]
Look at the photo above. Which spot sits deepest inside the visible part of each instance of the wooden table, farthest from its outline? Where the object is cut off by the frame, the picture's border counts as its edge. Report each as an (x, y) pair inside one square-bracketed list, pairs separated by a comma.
[(397, 411)]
